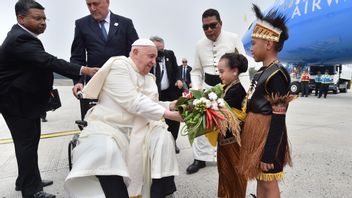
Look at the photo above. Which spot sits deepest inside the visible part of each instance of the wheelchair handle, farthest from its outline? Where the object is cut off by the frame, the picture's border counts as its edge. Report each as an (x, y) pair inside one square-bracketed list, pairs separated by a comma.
[(79, 95)]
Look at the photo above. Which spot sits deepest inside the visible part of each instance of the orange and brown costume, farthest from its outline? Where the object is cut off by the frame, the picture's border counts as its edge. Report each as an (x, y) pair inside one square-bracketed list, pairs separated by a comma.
[(231, 183), (264, 137)]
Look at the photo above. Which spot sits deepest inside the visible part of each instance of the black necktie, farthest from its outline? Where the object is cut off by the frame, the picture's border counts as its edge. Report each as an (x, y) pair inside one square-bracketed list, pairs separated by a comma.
[(103, 30), (162, 69), (184, 73)]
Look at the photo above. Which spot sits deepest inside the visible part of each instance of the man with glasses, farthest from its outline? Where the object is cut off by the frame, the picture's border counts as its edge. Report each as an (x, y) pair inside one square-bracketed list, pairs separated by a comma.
[(205, 74), (184, 71), (168, 82), (26, 79)]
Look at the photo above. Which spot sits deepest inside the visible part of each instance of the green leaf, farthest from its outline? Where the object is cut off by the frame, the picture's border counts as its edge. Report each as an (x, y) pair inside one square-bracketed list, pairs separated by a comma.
[(218, 90), (203, 120), (181, 101), (197, 93), (182, 108)]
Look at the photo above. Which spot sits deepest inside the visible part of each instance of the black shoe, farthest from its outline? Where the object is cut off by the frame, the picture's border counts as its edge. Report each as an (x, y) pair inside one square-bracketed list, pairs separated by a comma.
[(42, 194), (197, 164), (44, 120), (177, 150), (44, 183)]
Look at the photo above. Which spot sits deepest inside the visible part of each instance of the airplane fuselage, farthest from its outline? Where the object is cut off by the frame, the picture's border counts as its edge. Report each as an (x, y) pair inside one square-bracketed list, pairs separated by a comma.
[(320, 31)]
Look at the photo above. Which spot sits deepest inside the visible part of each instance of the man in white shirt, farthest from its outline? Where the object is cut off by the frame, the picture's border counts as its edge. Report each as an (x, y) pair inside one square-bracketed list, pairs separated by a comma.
[(204, 73)]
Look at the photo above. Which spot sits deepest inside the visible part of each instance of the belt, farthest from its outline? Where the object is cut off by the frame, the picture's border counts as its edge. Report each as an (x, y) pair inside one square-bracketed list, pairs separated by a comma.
[(212, 80)]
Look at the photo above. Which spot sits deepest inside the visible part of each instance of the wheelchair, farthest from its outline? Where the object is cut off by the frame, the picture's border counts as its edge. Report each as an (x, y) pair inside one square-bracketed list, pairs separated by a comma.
[(85, 105)]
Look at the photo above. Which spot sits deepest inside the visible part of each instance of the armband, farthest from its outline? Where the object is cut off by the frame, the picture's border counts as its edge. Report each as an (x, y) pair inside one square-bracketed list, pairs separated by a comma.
[(280, 103)]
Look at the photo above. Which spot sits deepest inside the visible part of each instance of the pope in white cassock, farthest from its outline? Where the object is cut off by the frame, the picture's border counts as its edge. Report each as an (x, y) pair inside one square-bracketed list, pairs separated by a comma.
[(126, 150)]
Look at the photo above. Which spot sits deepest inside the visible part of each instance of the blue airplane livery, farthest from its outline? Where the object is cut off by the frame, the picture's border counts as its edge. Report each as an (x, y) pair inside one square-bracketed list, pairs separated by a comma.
[(320, 31)]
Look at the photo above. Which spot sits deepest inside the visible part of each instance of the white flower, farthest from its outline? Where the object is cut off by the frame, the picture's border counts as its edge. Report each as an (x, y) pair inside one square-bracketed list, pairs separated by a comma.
[(214, 105), (195, 102), (207, 103), (203, 99), (221, 102), (212, 96)]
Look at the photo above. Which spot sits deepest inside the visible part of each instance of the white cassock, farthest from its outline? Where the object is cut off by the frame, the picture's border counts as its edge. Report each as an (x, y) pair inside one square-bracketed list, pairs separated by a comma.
[(125, 136), (208, 54)]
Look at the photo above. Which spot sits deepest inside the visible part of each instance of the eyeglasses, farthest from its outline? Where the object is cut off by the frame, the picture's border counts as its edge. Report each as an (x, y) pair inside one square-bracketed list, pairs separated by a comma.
[(39, 18), (184, 61), (211, 26)]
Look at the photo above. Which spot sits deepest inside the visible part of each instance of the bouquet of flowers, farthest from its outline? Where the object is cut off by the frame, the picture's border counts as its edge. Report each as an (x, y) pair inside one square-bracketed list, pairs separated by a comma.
[(206, 111)]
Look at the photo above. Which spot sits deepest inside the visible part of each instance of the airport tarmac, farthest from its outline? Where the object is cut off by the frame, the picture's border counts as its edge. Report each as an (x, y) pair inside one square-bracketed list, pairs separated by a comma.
[(320, 132)]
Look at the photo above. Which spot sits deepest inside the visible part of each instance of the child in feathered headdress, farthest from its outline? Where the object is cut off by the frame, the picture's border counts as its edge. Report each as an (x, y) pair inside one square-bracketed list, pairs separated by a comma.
[(265, 148)]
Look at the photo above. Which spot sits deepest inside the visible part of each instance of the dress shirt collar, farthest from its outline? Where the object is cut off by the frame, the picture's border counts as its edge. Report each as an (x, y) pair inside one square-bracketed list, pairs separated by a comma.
[(219, 37), (107, 19), (35, 35)]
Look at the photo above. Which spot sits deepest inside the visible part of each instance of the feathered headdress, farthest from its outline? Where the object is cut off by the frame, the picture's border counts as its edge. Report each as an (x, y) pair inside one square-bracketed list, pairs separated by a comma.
[(270, 27)]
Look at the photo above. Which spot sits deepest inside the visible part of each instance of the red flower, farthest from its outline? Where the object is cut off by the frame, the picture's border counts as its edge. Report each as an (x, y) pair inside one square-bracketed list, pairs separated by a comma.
[(187, 95)]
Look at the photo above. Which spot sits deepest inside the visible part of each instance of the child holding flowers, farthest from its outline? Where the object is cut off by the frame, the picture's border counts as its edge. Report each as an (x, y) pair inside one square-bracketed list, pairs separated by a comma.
[(231, 184)]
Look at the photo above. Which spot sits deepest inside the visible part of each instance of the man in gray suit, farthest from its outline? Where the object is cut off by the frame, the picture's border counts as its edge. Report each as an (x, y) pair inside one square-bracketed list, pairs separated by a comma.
[(99, 36)]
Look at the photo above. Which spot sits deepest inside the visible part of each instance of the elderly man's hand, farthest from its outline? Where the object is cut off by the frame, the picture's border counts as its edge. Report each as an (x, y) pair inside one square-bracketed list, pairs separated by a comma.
[(173, 115), (76, 89), (89, 71)]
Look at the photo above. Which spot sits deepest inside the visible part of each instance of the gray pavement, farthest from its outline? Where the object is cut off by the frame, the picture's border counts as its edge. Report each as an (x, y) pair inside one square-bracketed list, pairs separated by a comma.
[(319, 131)]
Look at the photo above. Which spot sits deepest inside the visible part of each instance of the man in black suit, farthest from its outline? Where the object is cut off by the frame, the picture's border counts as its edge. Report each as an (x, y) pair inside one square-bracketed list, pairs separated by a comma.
[(99, 36), (167, 80), (26, 79), (184, 71)]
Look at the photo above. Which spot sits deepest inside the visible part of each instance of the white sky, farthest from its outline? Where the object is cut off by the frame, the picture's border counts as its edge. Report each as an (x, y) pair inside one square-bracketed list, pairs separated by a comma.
[(177, 21)]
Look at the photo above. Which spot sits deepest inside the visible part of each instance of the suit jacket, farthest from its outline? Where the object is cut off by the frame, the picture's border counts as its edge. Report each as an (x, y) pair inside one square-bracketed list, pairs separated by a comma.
[(172, 75), (89, 47), (26, 74), (187, 77)]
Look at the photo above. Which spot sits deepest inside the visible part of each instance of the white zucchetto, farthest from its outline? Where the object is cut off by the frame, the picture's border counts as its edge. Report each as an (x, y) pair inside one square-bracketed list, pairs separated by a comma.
[(143, 42)]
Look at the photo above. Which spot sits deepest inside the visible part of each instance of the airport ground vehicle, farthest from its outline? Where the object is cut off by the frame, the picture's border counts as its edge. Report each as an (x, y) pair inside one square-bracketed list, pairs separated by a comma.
[(341, 77)]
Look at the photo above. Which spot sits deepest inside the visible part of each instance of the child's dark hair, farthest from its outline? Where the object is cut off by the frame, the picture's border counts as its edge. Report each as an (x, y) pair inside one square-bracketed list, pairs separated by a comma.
[(236, 61)]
